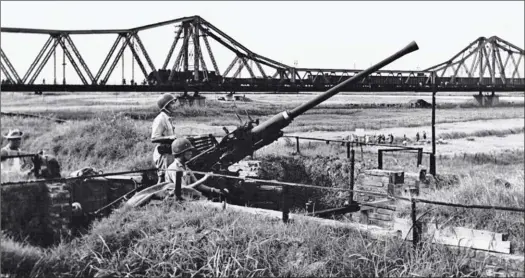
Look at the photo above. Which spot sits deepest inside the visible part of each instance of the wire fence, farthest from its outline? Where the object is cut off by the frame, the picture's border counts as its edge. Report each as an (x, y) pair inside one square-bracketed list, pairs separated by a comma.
[(276, 183), (286, 185)]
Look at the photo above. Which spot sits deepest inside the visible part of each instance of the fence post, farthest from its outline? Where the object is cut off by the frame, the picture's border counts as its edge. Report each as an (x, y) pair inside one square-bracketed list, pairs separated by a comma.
[(178, 183), (419, 156), (309, 206), (432, 164), (415, 226), (285, 208), (380, 159), (352, 163), (348, 150), (36, 165), (297, 144), (433, 155)]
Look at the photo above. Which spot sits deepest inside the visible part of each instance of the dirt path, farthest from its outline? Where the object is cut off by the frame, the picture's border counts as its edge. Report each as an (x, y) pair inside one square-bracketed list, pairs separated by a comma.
[(466, 127), (486, 144), (370, 99)]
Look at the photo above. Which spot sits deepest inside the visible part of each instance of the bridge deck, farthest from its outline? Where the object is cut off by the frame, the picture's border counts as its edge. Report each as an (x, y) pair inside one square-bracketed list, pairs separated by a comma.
[(251, 87)]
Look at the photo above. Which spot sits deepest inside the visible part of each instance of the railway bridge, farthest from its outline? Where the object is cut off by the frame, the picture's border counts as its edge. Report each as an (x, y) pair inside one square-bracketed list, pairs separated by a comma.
[(485, 65)]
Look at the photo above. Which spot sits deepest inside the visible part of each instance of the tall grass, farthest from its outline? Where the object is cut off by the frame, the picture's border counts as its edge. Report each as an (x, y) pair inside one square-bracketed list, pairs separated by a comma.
[(170, 239), (334, 116), (482, 133), (189, 240)]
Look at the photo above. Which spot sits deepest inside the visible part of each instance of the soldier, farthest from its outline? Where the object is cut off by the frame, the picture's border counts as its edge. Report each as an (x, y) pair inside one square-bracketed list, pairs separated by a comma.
[(424, 135), (417, 137), (163, 132), (182, 150), (14, 139), (391, 137)]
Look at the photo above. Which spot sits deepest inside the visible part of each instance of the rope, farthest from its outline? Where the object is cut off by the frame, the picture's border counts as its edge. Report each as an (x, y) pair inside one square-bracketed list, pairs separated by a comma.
[(78, 178), (470, 206), (279, 183), (365, 192), (18, 155), (352, 143)]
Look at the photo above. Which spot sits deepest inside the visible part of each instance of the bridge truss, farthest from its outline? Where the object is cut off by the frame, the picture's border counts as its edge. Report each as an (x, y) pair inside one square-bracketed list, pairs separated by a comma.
[(491, 64)]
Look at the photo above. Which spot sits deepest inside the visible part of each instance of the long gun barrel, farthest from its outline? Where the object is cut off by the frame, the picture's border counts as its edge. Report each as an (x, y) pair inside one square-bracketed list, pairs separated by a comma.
[(287, 117), (252, 136)]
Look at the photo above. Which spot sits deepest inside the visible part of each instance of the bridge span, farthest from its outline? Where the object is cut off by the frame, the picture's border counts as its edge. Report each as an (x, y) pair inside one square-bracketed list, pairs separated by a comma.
[(486, 65)]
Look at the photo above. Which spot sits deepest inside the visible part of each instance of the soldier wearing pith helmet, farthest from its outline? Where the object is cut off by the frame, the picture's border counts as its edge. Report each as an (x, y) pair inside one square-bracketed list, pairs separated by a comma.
[(14, 139), (163, 133), (182, 150)]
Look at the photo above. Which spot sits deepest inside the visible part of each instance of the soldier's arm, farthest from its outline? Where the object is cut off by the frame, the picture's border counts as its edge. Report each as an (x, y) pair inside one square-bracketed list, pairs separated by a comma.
[(204, 188), (198, 183)]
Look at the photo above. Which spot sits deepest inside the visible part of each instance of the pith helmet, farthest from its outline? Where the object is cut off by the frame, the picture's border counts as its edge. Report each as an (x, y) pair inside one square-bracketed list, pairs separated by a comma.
[(14, 134), (181, 145), (164, 100)]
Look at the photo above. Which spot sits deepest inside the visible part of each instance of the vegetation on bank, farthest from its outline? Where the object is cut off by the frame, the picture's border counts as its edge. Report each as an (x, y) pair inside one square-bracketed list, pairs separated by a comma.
[(185, 240), (121, 143), (170, 239)]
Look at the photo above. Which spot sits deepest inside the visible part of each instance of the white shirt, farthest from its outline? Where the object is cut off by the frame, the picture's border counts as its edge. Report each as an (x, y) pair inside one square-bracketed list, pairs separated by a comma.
[(161, 127), (11, 164), (187, 177)]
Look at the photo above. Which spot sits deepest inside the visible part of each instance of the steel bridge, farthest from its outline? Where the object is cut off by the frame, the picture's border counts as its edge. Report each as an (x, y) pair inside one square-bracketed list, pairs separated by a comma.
[(486, 65)]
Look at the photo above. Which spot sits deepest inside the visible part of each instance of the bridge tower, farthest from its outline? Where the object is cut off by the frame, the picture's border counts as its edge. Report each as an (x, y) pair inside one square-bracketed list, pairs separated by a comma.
[(487, 61)]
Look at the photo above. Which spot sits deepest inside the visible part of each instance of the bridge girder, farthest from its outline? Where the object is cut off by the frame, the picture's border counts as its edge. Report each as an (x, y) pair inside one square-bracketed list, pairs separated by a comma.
[(491, 61), (486, 59)]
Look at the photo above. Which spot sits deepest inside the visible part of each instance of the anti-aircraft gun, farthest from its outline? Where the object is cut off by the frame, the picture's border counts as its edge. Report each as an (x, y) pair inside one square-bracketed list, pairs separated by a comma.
[(251, 136)]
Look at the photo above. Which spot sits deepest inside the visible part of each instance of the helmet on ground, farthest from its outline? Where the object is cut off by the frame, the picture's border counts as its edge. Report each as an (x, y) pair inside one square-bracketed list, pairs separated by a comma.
[(164, 100), (181, 145), (14, 134)]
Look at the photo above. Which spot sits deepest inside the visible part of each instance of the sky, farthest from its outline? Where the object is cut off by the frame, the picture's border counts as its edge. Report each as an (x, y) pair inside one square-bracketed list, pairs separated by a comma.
[(341, 34)]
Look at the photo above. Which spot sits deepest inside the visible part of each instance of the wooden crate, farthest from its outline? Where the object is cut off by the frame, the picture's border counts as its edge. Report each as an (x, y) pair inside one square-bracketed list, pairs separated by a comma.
[(378, 181)]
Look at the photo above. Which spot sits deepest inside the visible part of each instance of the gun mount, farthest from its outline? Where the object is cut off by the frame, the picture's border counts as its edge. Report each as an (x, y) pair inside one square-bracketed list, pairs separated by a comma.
[(251, 136)]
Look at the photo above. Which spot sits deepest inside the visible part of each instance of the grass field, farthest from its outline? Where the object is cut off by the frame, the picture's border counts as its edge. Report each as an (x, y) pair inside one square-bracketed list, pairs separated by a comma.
[(170, 239)]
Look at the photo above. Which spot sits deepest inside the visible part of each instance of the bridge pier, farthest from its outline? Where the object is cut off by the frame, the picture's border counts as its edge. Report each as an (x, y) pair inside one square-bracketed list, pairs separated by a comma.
[(187, 100), (487, 100)]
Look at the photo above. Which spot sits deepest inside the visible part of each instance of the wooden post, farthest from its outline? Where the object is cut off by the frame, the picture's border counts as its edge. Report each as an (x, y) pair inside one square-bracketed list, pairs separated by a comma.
[(352, 163), (309, 206), (178, 185), (415, 226), (36, 165), (348, 150), (297, 144), (433, 155), (380, 159), (285, 208), (419, 156)]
